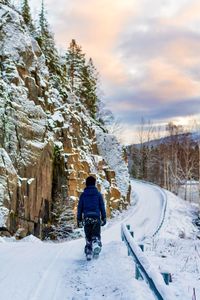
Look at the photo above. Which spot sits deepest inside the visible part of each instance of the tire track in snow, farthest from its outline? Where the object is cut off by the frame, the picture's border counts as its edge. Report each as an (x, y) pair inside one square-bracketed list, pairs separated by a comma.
[(44, 281), (150, 209)]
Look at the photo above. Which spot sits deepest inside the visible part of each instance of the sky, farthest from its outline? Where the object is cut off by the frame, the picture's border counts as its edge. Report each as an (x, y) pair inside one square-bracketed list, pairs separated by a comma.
[(147, 53)]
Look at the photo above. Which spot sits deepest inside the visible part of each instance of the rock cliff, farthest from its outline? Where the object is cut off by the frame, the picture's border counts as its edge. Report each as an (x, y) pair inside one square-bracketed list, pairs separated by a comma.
[(49, 143)]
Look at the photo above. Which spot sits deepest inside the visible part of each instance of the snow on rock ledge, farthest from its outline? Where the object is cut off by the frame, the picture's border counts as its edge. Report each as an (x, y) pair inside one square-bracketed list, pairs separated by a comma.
[(8, 183), (112, 152)]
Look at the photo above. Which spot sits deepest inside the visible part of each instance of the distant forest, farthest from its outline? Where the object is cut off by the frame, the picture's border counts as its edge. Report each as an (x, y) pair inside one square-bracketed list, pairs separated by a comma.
[(171, 161)]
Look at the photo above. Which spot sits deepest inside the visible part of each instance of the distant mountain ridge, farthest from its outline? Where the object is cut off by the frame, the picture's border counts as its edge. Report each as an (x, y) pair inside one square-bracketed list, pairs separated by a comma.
[(193, 136)]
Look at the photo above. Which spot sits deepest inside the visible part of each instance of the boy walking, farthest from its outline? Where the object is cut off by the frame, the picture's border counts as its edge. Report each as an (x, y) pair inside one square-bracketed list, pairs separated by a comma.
[(91, 212)]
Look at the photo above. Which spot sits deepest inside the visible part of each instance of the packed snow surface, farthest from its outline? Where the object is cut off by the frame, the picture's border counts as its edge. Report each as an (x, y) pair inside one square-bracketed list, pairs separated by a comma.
[(54, 271), (176, 249)]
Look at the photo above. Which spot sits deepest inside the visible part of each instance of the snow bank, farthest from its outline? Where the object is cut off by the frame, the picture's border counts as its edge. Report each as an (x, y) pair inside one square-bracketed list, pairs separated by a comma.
[(7, 239), (175, 248), (31, 239), (2, 240), (152, 271), (112, 152), (179, 218)]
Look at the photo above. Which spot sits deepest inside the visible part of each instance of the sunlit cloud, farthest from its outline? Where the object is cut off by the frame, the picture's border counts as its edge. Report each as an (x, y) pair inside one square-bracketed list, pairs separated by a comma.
[(147, 52)]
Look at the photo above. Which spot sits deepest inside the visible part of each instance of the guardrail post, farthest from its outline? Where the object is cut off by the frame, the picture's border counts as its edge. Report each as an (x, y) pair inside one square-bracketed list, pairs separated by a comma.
[(166, 277), (194, 294), (140, 270), (122, 235), (137, 273), (141, 247)]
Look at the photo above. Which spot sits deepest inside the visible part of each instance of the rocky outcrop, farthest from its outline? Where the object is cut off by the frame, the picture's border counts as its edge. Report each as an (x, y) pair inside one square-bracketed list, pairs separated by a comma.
[(48, 145)]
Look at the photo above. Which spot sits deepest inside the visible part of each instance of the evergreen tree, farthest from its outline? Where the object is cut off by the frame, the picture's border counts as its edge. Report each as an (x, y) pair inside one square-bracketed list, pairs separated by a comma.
[(83, 78), (42, 20), (46, 41), (88, 88), (6, 2), (75, 60), (26, 13)]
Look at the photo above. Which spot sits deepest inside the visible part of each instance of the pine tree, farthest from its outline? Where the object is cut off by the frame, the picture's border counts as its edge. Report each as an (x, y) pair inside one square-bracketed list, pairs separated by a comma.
[(6, 2), (46, 41), (83, 78), (88, 88), (26, 13), (75, 60), (42, 20)]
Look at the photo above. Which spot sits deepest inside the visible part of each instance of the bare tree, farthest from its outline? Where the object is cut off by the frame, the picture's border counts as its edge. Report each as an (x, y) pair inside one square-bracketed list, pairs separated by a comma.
[(196, 128), (145, 135), (174, 133)]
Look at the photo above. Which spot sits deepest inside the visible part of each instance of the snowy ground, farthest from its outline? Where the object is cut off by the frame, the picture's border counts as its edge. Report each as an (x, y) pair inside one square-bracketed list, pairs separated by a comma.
[(33, 270), (177, 250)]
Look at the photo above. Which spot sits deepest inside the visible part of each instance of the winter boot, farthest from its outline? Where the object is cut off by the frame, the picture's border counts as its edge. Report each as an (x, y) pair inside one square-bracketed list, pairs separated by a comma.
[(88, 250), (96, 247)]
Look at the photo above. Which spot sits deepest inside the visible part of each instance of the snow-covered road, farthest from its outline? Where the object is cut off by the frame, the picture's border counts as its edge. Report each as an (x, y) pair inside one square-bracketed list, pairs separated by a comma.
[(149, 210), (49, 271)]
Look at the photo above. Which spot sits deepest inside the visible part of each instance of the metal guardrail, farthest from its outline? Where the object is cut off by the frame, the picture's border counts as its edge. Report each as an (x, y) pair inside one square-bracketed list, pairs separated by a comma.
[(157, 286)]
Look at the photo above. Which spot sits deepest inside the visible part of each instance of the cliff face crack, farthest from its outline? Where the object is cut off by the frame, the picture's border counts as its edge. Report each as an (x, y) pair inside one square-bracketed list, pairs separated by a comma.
[(19, 143), (2, 137), (45, 131), (7, 181), (5, 122)]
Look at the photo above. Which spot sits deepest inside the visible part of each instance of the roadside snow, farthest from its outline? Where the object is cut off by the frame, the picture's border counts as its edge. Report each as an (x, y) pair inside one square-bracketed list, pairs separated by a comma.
[(112, 152), (176, 250), (179, 218), (31, 239), (2, 240)]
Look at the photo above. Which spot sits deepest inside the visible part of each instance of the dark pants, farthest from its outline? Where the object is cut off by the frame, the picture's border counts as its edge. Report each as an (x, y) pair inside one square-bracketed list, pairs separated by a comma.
[(92, 230)]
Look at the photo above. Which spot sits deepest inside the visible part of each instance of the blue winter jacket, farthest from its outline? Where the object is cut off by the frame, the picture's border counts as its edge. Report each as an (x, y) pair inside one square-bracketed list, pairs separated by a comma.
[(91, 204)]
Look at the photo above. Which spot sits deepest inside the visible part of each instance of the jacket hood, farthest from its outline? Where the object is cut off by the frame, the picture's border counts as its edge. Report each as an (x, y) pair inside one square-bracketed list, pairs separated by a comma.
[(91, 190)]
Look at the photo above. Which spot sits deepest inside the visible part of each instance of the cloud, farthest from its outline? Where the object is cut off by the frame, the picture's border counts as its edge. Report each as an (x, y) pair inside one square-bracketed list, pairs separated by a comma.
[(147, 52), (151, 109)]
